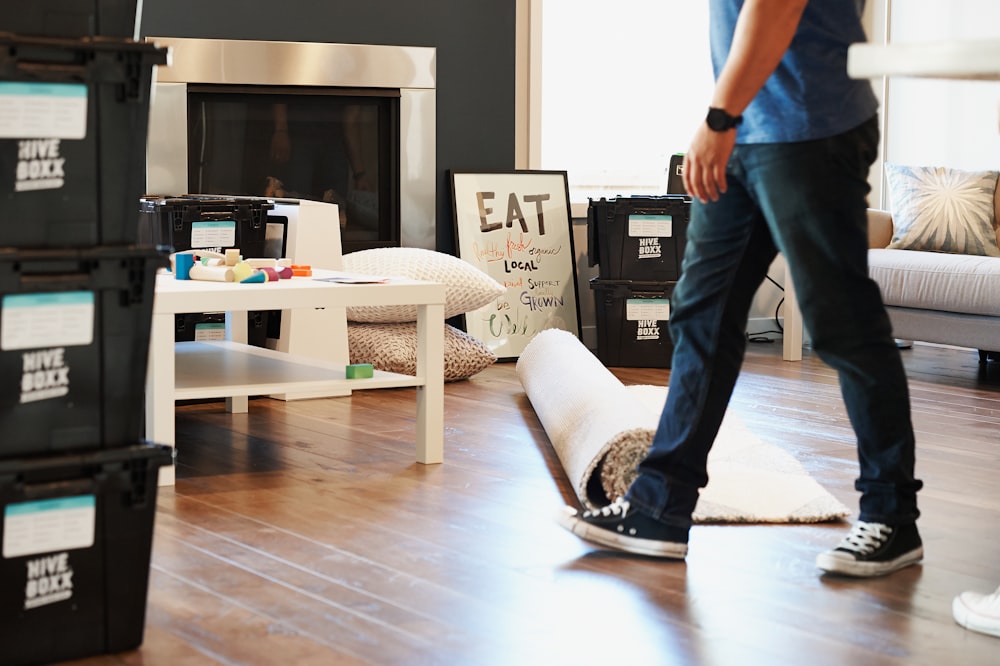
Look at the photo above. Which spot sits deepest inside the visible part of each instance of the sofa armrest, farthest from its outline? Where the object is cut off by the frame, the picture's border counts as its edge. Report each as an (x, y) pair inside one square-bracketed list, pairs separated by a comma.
[(879, 228)]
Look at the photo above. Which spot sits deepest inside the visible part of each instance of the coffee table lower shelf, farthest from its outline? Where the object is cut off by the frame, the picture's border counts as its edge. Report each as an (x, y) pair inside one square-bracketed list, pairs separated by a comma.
[(223, 369)]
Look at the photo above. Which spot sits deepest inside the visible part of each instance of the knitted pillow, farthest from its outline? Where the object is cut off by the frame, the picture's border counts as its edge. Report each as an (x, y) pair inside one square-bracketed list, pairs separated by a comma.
[(939, 209), (466, 287), (393, 348)]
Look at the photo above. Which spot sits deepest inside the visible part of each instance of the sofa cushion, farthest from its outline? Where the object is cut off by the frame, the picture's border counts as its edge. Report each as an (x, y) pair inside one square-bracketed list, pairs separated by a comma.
[(939, 209), (936, 281)]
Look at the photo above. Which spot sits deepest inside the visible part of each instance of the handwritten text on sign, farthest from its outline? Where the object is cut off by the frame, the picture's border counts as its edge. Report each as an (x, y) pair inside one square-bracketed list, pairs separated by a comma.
[(521, 238)]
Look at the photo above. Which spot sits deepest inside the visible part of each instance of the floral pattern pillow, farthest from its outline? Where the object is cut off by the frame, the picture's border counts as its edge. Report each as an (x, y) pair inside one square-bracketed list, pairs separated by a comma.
[(938, 209)]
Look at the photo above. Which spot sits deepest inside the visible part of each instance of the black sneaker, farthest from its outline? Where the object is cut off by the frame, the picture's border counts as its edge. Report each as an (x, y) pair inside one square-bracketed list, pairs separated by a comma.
[(621, 527), (873, 549)]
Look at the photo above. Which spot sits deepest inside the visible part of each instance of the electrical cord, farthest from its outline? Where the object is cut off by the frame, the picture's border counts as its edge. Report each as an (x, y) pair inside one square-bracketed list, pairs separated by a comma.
[(760, 336)]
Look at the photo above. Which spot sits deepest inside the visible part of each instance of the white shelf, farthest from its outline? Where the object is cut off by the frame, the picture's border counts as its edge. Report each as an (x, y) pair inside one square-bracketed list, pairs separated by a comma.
[(222, 369), (972, 59)]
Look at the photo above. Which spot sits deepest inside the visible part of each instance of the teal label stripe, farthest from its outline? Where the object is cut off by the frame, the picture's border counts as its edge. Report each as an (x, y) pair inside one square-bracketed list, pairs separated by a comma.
[(23, 88), (62, 298), (638, 217), (648, 301), (214, 225), (57, 504)]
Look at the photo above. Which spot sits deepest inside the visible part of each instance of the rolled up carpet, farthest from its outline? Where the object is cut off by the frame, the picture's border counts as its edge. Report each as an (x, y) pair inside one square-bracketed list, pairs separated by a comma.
[(600, 429)]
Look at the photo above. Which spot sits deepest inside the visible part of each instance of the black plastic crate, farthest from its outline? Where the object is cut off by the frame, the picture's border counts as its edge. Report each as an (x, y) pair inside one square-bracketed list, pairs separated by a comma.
[(74, 346), (638, 238), (73, 159), (73, 18), (633, 323), (193, 326), (675, 175), (196, 222), (77, 537)]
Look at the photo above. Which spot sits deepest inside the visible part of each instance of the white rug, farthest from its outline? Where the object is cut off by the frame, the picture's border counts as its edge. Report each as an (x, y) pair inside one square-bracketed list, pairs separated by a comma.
[(600, 429)]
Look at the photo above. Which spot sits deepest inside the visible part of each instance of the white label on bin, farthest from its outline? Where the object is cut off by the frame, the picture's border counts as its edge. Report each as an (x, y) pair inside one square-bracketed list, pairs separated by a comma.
[(54, 110), (210, 331), (213, 234), (59, 319), (44, 526), (650, 309), (650, 226)]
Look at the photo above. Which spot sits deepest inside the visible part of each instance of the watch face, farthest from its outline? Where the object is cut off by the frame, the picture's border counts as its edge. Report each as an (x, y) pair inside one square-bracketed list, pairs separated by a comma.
[(720, 121)]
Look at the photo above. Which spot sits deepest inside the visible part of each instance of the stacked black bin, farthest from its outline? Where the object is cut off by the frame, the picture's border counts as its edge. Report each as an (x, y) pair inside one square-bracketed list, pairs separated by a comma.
[(638, 244), (216, 223), (77, 481)]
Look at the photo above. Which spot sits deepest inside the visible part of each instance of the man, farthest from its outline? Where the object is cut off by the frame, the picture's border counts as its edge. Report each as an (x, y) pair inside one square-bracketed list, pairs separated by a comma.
[(780, 165)]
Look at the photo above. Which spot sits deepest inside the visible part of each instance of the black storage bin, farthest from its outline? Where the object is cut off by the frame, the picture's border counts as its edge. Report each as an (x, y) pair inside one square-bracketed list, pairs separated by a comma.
[(212, 326), (74, 346), (73, 18), (77, 537), (675, 175), (191, 326), (638, 238), (632, 323), (194, 222), (73, 163)]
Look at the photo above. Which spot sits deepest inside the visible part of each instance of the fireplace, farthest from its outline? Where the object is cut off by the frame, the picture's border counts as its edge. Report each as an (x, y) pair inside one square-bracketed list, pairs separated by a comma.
[(348, 124)]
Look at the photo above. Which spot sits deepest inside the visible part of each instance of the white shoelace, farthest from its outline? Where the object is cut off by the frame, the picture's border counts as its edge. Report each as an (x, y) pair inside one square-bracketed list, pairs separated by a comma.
[(866, 537), (617, 508)]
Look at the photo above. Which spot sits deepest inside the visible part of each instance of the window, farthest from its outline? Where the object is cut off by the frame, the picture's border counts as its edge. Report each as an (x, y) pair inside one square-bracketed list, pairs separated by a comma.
[(623, 86), (939, 122)]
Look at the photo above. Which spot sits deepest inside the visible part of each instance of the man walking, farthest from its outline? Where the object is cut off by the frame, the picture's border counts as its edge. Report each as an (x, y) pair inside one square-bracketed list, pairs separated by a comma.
[(779, 165)]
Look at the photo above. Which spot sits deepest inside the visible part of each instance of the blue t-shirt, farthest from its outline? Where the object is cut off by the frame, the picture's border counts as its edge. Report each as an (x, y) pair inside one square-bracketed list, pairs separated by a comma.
[(809, 96)]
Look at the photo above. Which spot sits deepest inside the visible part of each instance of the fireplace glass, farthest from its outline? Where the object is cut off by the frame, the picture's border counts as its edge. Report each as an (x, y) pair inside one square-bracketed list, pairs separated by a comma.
[(336, 145)]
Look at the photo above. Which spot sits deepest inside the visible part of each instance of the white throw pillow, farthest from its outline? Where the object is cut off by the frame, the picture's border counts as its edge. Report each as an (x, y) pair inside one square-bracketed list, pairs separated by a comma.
[(939, 209), (466, 287), (393, 348)]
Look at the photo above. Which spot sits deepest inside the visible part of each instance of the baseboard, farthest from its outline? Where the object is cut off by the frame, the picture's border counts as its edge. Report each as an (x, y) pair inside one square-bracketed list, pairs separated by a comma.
[(765, 327)]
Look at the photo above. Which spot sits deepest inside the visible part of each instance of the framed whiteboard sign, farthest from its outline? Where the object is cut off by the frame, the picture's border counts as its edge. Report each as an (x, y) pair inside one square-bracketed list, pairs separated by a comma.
[(516, 226)]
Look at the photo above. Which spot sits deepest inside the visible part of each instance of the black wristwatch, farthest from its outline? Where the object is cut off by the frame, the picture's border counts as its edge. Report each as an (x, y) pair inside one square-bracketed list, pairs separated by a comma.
[(720, 121)]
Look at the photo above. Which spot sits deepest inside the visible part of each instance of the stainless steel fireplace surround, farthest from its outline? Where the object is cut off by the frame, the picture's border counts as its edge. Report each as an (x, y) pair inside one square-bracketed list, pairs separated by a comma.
[(411, 70)]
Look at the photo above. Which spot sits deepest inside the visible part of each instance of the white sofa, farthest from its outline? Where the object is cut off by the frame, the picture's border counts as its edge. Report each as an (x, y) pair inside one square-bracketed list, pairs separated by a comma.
[(951, 299)]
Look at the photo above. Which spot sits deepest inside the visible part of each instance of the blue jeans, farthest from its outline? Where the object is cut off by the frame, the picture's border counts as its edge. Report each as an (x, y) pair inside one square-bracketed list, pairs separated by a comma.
[(808, 201)]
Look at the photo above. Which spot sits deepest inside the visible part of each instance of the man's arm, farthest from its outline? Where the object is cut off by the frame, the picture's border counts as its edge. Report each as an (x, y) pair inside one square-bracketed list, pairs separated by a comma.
[(763, 33)]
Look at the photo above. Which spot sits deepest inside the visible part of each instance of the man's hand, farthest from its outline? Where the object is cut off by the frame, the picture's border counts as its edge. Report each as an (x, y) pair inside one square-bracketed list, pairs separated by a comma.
[(705, 163)]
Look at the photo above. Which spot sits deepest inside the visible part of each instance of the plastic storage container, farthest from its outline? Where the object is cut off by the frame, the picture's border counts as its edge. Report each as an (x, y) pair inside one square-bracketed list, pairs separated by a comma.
[(638, 238), (72, 139), (77, 534), (216, 223), (212, 326), (675, 175), (74, 346), (632, 323), (73, 18)]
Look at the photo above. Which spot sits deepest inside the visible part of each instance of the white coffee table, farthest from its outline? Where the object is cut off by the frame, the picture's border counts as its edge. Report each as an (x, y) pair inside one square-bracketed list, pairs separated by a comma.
[(234, 370)]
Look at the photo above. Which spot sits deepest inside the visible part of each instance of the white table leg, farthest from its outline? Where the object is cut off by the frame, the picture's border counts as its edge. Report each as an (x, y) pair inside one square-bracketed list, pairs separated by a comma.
[(430, 396), (160, 389), (237, 331), (792, 336)]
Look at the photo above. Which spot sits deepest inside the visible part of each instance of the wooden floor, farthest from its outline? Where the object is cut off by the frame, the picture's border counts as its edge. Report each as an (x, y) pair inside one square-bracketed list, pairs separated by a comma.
[(303, 533)]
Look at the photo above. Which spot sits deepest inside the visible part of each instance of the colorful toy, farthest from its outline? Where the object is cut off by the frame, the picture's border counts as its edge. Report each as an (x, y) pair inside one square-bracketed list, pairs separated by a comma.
[(231, 267)]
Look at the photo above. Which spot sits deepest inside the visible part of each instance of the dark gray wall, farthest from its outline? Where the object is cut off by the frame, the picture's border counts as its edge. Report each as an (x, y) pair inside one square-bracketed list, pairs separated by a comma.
[(475, 44)]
